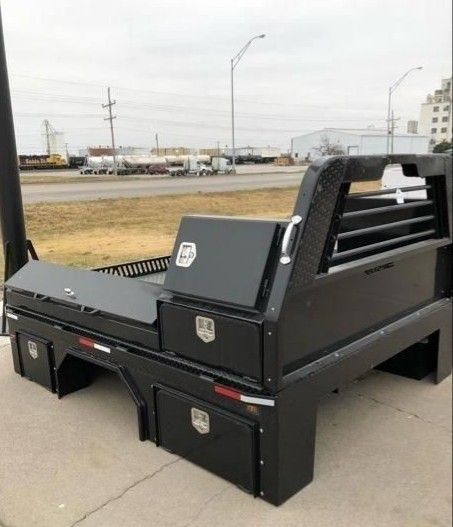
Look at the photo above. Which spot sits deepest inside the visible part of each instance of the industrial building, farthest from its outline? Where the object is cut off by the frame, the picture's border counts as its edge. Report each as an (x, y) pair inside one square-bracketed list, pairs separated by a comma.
[(435, 114), (354, 141)]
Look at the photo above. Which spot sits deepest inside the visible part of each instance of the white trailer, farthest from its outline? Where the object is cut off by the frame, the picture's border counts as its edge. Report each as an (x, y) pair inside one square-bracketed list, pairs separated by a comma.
[(221, 165), (94, 165)]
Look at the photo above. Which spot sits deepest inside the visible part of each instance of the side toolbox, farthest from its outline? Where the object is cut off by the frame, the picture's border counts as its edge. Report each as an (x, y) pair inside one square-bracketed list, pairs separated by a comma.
[(32, 357), (218, 441), (223, 342)]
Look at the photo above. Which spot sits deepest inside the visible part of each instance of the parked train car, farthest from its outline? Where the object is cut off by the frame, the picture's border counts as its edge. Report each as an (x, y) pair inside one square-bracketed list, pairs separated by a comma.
[(76, 161), (42, 162)]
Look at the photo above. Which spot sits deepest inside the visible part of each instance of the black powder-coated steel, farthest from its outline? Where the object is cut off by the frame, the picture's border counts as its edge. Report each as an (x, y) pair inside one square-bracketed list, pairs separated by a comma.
[(230, 263), (226, 437), (11, 210), (222, 352), (96, 292), (34, 360)]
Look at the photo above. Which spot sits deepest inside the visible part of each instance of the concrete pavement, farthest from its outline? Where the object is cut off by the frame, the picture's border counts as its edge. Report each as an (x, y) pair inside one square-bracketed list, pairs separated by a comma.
[(383, 459)]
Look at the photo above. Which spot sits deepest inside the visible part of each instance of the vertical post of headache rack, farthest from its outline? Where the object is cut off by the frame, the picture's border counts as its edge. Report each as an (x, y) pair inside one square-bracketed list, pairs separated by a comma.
[(11, 208)]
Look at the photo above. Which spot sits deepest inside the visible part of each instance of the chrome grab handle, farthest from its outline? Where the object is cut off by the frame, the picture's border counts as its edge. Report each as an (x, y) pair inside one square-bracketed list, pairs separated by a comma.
[(285, 257)]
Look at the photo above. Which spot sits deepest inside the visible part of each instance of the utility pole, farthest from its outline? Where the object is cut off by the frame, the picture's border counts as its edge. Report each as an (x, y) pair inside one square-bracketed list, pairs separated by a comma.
[(233, 63), (392, 131), (157, 144), (218, 148), (111, 118), (47, 131), (67, 152)]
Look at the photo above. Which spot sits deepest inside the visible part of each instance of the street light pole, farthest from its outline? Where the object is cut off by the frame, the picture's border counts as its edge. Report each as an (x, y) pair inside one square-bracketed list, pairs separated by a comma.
[(233, 63), (233, 157), (392, 88)]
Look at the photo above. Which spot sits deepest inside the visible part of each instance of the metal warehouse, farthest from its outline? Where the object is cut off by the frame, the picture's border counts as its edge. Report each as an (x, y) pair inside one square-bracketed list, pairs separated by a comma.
[(357, 141)]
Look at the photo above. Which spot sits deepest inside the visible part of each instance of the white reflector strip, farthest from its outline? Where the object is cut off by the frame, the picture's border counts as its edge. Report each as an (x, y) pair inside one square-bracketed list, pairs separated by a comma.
[(257, 400), (11, 315), (101, 348)]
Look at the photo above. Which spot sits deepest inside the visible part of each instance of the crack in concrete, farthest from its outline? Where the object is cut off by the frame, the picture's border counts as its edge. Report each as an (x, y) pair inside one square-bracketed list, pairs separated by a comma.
[(377, 401), (205, 505), (125, 491)]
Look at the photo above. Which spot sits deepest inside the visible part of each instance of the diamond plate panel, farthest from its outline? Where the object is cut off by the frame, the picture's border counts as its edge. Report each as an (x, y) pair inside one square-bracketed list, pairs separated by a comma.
[(311, 245)]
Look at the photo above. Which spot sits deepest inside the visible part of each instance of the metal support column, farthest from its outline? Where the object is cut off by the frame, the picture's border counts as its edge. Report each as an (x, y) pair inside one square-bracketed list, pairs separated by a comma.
[(11, 208)]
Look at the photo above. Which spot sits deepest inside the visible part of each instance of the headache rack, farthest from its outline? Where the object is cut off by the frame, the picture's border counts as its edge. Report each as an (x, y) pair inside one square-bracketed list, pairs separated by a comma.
[(369, 223), (227, 346)]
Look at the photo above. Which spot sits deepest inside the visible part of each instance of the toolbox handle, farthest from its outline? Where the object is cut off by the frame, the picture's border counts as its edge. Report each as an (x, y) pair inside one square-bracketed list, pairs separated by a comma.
[(89, 311), (285, 257), (40, 297)]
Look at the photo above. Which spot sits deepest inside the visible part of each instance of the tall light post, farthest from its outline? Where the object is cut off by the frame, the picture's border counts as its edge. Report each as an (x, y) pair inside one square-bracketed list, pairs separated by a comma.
[(234, 62), (392, 88)]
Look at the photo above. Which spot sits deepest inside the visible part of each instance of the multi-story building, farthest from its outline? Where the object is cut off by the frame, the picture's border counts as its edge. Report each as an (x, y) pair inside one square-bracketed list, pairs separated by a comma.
[(436, 114), (412, 127)]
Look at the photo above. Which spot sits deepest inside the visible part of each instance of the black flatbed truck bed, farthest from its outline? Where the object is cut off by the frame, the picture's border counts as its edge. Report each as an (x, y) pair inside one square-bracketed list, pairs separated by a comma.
[(227, 346)]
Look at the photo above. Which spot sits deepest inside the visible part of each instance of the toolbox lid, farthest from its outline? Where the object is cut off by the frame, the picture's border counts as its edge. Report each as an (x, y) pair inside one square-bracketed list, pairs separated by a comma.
[(122, 297), (221, 259)]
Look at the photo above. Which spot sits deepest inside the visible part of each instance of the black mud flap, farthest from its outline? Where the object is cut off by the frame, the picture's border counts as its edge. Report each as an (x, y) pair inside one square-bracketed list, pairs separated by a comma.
[(218, 441)]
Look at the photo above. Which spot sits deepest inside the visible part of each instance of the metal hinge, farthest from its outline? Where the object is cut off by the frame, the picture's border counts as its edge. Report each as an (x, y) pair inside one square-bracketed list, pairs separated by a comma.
[(265, 288)]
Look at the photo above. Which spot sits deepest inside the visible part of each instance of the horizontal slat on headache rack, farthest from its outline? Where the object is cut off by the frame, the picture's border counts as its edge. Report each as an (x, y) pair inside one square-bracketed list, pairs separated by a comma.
[(384, 227), (382, 245), (388, 208), (386, 191)]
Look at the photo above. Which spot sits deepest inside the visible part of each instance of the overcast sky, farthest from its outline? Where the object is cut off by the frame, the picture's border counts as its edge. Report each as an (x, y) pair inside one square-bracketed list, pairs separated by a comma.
[(322, 63)]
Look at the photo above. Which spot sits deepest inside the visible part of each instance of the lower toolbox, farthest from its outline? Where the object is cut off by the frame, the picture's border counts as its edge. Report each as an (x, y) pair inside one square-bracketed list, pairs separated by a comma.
[(33, 358), (223, 443)]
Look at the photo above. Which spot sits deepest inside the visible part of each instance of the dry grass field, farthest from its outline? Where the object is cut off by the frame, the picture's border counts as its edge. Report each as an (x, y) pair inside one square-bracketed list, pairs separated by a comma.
[(96, 233)]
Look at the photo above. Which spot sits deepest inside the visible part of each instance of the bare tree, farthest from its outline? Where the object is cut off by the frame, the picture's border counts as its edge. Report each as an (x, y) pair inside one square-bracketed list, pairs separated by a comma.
[(327, 148)]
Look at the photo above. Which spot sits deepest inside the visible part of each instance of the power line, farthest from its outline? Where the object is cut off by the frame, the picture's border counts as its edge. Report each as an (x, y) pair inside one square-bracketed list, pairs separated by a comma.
[(166, 93), (128, 103), (65, 115)]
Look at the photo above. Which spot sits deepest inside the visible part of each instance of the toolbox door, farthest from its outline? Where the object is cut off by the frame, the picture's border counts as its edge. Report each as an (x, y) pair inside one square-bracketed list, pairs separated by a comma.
[(223, 342), (209, 437), (33, 358)]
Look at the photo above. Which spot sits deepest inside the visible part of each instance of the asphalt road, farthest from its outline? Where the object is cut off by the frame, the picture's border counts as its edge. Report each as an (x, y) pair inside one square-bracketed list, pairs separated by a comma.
[(56, 192)]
